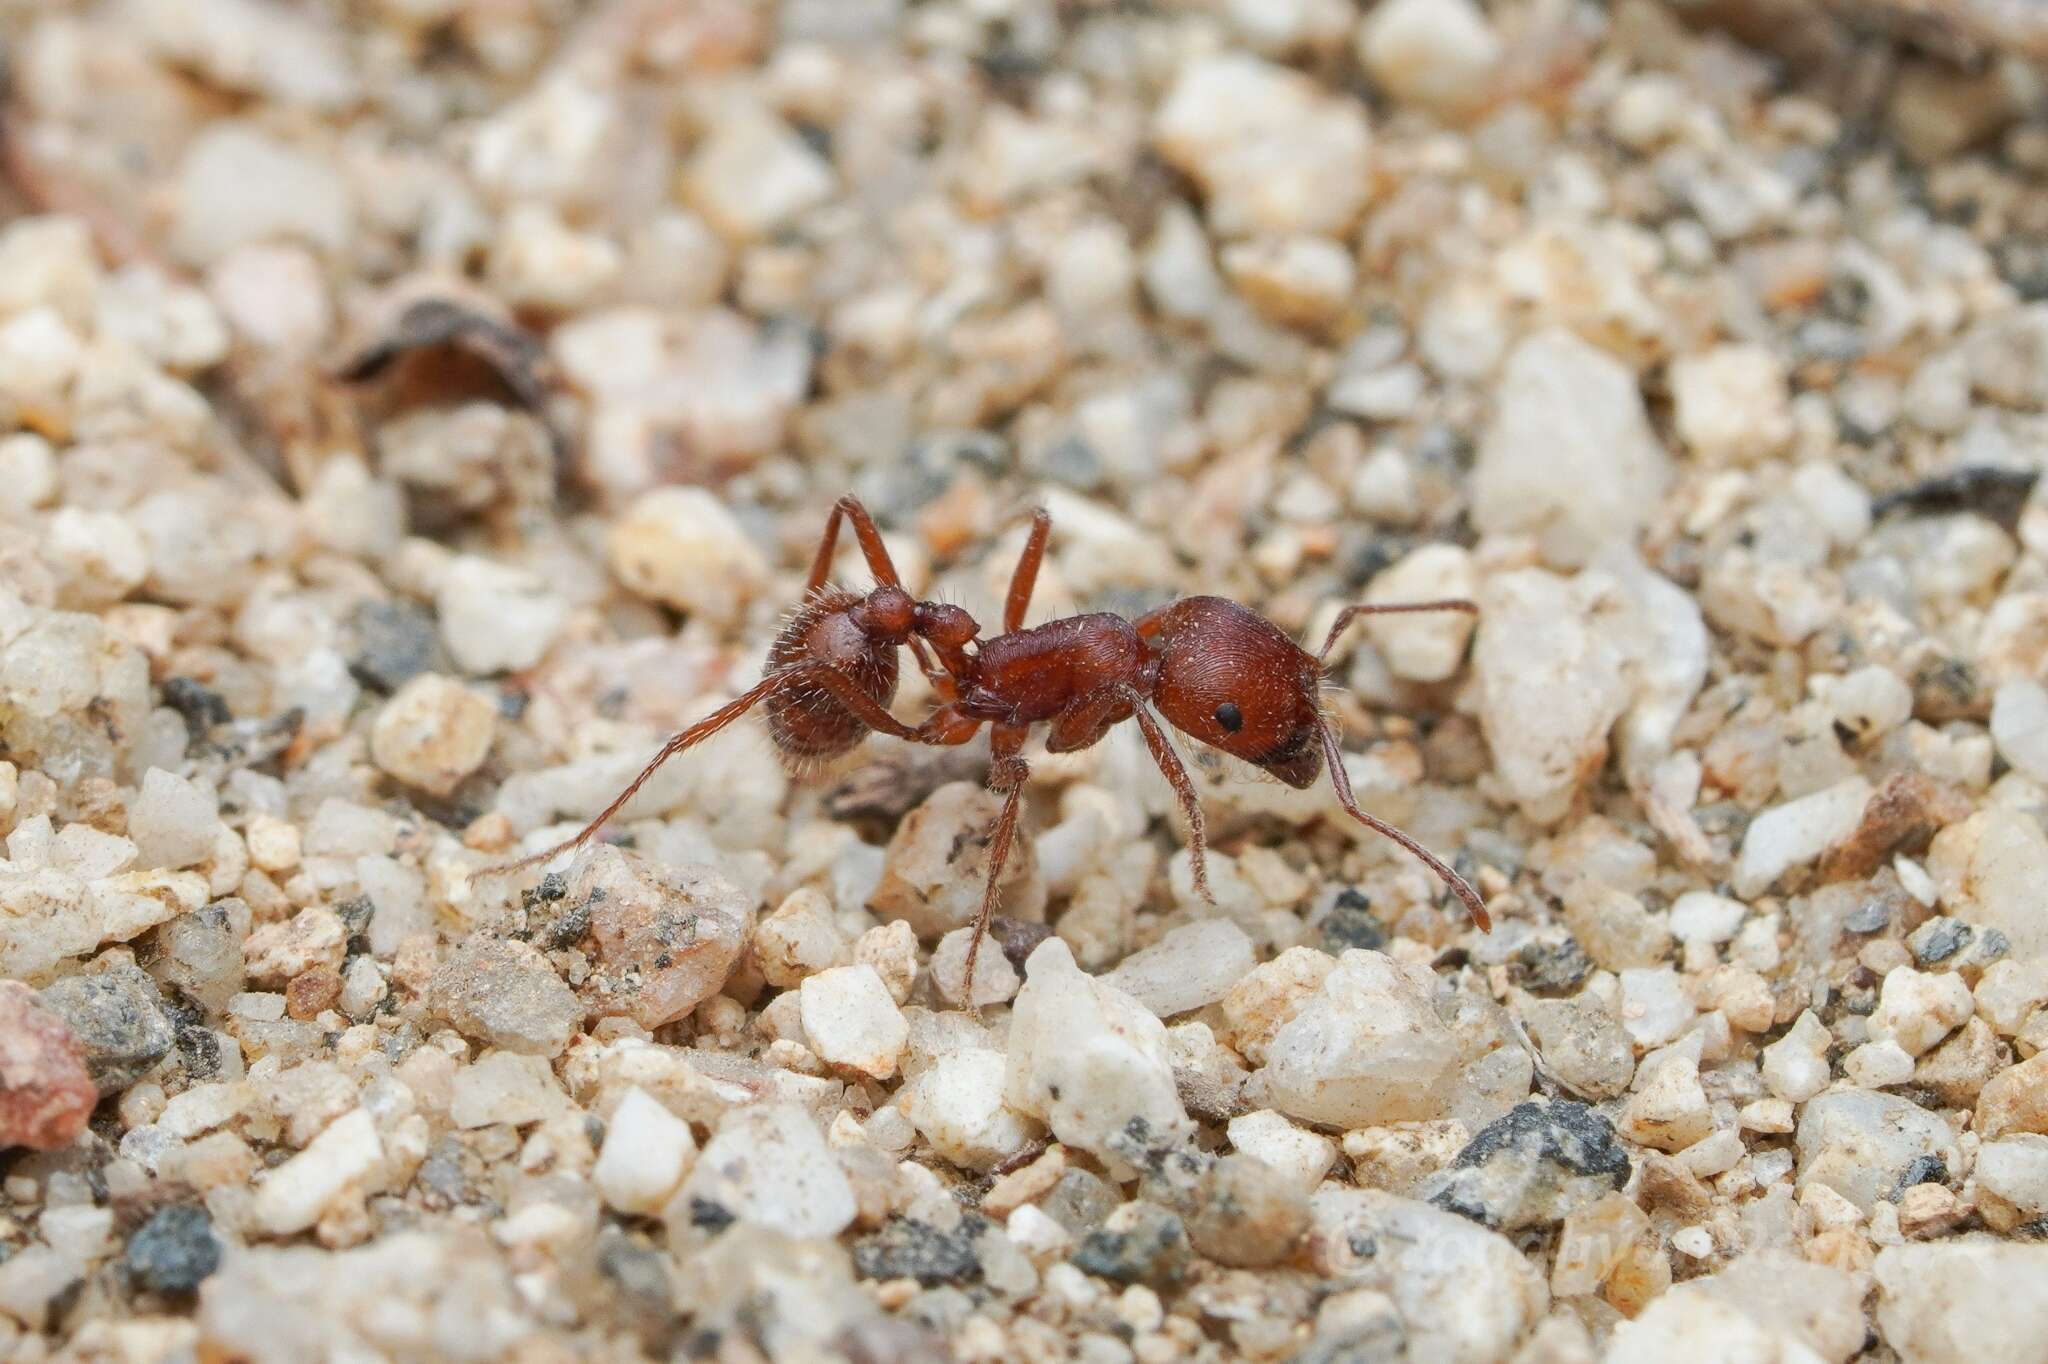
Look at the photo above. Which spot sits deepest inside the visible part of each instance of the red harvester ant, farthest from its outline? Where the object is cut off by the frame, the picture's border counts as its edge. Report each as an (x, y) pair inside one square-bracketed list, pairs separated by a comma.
[(1215, 671)]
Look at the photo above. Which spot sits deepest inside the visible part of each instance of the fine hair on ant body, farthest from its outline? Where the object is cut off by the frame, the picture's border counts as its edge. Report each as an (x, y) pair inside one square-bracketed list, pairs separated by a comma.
[(1214, 670)]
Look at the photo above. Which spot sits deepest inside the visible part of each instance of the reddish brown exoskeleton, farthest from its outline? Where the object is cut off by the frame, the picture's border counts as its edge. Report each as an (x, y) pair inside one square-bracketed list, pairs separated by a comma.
[(1214, 670)]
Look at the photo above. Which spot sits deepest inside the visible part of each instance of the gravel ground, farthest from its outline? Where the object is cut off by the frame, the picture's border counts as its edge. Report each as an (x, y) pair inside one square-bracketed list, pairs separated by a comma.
[(415, 409)]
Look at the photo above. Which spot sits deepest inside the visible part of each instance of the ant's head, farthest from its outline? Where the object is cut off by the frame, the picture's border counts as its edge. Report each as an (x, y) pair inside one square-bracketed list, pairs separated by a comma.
[(1234, 680)]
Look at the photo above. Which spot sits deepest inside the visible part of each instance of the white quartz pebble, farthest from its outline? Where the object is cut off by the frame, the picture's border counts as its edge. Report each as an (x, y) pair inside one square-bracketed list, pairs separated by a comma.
[(645, 1153)]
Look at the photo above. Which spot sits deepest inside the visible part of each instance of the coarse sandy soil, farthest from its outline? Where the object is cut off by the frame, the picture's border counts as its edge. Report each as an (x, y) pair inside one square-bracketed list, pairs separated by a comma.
[(411, 411)]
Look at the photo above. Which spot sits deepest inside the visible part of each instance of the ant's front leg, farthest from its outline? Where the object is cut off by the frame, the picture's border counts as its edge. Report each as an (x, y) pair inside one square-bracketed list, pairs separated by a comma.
[(1176, 775), (1086, 719)]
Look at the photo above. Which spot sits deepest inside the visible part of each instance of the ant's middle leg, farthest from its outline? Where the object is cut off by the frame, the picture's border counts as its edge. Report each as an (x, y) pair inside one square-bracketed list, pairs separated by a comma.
[(1353, 612), (1007, 775), (1025, 576)]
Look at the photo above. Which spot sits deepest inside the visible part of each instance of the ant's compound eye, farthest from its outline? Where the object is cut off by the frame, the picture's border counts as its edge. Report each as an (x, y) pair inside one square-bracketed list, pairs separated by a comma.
[(1230, 717)]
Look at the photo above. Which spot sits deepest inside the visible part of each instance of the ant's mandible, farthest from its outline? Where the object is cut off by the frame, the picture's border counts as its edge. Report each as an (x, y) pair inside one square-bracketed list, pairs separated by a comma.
[(1214, 670)]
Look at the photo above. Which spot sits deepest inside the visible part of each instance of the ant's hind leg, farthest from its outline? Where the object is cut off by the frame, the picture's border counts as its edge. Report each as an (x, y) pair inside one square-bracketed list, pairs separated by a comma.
[(841, 687), (1025, 577), (828, 546), (871, 547), (1183, 787), (1333, 758), (1353, 612), (677, 743), (880, 566)]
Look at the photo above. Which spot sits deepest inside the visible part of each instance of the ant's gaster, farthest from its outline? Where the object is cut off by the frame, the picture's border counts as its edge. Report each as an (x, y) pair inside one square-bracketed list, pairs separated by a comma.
[(1214, 670)]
